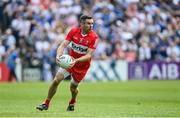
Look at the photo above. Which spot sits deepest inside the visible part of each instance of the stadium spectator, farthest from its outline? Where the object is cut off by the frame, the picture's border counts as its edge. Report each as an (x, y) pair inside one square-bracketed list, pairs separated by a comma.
[(11, 62), (144, 52), (2, 51), (173, 52), (101, 50)]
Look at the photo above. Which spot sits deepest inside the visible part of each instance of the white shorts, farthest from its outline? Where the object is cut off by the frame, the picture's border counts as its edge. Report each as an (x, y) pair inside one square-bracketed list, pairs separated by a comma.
[(66, 74)]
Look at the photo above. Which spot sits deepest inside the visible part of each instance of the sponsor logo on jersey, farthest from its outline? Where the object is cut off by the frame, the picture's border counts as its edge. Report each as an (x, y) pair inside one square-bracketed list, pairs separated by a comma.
[(79, 48)]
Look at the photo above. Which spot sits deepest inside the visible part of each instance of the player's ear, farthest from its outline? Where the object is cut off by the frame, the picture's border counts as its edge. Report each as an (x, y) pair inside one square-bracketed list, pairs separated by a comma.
[(80, 23)]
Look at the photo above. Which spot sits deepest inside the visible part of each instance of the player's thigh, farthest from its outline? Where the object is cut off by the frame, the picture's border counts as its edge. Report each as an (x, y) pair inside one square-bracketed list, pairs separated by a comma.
[(77, 78)]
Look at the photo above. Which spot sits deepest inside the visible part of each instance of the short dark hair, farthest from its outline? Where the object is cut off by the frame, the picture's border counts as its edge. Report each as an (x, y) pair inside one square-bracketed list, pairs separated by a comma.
[(84, 17)]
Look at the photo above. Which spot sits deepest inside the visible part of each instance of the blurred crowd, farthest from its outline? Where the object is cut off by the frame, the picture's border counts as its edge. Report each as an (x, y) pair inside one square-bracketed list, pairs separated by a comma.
[(131, 30)]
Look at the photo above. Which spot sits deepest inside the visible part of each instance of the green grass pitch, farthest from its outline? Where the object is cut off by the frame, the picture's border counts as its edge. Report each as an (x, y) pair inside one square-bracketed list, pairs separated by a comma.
[(101, 99)]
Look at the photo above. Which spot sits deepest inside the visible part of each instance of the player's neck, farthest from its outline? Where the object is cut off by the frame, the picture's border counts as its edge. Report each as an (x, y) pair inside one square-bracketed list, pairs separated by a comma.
[(84, 33)]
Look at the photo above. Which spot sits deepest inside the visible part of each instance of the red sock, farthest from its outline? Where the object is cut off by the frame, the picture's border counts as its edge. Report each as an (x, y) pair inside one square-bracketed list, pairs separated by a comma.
[(73, 100), (47, 101)]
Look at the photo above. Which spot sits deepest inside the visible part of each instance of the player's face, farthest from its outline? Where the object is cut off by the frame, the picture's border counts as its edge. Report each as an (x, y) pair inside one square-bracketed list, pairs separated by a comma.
[(88, 25)]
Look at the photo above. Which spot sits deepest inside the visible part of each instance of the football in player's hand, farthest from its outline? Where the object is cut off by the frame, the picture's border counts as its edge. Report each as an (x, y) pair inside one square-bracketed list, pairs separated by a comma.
[(65, 60)]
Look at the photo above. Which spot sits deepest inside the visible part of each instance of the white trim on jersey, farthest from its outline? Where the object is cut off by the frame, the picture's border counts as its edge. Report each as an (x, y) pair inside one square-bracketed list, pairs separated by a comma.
[(78, 48)]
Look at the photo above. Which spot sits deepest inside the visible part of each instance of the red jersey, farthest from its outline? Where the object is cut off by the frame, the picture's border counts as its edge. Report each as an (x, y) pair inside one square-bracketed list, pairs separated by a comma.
[(79, 45)]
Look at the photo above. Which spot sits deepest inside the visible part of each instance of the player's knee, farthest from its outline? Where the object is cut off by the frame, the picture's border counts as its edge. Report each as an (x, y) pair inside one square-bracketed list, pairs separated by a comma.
[(55, 82), (73, 89), (59, 77)]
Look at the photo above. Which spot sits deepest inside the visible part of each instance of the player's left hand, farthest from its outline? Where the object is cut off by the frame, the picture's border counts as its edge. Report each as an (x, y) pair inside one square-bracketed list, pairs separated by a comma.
[(73, 63)]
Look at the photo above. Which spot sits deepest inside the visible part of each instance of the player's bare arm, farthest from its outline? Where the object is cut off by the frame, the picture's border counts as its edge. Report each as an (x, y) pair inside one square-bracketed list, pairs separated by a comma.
[(61, 49), (87, 56), (83, 58)]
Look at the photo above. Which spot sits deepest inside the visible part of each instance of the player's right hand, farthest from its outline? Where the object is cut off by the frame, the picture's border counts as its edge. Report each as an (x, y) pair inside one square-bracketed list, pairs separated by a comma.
[(57, 59)]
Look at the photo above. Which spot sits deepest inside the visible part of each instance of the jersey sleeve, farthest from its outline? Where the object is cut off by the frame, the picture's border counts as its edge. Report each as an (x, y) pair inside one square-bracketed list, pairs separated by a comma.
[(94, 42), (70, 34)]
